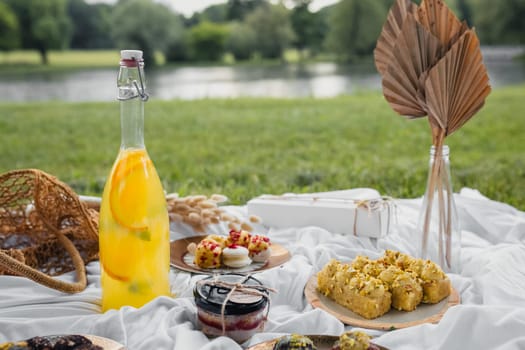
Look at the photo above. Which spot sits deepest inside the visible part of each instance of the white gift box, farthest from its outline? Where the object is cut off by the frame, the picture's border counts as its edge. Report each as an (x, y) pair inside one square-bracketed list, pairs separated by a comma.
[(359, 212)]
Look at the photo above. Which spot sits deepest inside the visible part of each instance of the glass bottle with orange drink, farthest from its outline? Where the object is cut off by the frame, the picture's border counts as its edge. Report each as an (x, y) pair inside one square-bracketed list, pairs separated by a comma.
[(133, 224)]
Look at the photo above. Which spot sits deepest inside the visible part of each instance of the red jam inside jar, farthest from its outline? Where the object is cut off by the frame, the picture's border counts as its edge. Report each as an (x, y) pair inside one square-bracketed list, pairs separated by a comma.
[(244, 313)]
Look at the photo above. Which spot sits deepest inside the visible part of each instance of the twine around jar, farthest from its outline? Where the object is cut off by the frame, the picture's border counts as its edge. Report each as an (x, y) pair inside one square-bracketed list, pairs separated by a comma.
[(261, 291)]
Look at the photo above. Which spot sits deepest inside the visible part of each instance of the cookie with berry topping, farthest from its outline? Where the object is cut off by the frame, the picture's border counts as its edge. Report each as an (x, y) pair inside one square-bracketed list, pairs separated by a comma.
[(208, 254), (221, 240), (259, 248), (241, 238)]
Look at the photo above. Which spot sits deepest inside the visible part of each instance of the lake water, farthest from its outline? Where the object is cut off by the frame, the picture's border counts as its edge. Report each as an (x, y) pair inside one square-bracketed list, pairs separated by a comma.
[(318, 80)]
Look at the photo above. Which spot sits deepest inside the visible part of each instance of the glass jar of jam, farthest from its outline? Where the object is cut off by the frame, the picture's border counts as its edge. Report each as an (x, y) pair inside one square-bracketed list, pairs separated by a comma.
[(232, 305)]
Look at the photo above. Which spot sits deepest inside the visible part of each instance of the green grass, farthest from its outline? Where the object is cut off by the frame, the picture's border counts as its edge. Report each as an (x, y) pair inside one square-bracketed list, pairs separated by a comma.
[(25, 61), (246, 147)]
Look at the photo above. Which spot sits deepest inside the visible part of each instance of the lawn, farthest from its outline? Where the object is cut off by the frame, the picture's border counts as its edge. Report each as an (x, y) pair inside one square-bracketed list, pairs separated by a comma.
[(246, 147), (25, 61)]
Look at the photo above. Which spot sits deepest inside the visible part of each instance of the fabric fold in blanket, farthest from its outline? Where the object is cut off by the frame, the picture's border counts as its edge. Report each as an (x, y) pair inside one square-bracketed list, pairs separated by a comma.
[(491, 284)]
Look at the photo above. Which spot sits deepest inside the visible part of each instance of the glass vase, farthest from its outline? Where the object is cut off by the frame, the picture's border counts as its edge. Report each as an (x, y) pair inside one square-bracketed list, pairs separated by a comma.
[(438, 230)]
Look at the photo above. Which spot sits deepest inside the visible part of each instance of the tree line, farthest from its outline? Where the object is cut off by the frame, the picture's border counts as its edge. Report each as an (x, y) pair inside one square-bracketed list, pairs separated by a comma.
[(243, 28)]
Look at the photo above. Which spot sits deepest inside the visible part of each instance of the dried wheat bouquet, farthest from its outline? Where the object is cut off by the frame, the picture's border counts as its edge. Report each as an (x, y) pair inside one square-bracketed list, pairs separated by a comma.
[(200, 211)]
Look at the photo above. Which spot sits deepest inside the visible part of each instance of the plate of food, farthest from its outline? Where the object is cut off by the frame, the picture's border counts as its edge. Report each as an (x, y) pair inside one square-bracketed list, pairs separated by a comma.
[(394, 291), (353, 340), (64, 342), (239, 252)]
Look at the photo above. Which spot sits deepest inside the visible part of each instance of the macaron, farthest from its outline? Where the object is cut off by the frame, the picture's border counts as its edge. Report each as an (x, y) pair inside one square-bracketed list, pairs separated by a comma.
[(235, 256)]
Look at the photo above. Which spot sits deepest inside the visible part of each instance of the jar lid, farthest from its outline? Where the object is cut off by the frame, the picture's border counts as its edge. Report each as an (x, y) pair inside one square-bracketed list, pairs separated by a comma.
[(210, 294)]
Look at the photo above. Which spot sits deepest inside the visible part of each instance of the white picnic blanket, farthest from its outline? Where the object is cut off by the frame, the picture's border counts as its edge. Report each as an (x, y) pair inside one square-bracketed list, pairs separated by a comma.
[(491, 285)]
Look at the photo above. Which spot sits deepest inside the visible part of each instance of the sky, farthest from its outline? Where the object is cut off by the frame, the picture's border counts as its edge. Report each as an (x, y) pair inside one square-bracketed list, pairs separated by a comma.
[(188, 7)]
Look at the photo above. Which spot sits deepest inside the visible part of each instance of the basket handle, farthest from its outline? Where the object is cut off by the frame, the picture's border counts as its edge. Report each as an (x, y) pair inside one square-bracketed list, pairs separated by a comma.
[(21, 269)]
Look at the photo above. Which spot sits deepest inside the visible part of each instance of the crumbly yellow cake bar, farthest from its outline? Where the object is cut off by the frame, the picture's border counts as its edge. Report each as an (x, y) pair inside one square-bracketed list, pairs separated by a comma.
[(370, 287), (435, 283), (363, 294), (325, 277), (368, 266), (404, 286)]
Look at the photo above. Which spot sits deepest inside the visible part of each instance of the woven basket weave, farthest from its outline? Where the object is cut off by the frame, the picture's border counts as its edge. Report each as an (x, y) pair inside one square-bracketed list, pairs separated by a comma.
[(45, 230)]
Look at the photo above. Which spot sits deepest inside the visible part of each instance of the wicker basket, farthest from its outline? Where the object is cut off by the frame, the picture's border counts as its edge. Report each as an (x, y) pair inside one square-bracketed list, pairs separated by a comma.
[(45, 230)]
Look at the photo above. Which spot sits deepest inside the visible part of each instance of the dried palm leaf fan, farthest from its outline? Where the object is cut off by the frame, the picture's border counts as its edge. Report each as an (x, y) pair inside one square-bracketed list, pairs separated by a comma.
[(456, 86), (438, 19), (45, 230), (414, 52), (391, 29), (431, 65)]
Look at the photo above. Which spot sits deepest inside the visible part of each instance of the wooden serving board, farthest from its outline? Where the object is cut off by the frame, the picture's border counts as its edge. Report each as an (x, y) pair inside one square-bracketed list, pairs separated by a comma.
[(393, 319), (105, 343), (181, 259), (321, 342)]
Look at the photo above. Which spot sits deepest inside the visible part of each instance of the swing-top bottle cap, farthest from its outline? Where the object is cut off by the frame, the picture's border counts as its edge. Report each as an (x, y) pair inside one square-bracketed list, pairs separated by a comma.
[(131, 55), (133, 59)]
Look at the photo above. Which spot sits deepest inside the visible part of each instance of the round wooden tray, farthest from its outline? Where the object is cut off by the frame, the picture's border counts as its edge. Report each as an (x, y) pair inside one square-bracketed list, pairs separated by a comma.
[(105, 343), (393, 319), (321, 342), (181, 259)]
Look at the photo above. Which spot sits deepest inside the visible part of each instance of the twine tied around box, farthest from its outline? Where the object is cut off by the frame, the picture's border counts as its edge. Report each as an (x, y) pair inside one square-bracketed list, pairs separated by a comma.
[(45, 230), (370, 205)]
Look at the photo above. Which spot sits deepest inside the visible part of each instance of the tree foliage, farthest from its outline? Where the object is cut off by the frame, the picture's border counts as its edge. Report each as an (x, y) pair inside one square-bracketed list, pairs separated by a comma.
[(272, 28), (215, 13), (237, 10), (207, 41), (355, 27), (44, 24), (91, 25), (303, 24), (9, 32), (500, 23), (144, 25), (464, 11), (179, 46), (349, 28), (241, 41)]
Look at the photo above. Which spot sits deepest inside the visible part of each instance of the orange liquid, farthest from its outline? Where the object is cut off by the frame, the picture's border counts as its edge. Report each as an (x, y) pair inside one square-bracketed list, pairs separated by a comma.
[(133, 233)]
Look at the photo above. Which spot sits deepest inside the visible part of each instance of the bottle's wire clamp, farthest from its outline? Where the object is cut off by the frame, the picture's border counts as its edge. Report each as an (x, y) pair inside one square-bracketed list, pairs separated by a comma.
[(141, 91)]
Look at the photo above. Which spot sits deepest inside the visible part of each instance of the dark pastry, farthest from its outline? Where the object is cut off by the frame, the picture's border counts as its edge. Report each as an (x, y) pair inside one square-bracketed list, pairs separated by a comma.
[(53, 342)]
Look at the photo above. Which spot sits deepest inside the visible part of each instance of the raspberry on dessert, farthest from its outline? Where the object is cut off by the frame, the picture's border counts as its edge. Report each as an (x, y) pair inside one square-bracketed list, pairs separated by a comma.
[(241, 238)]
